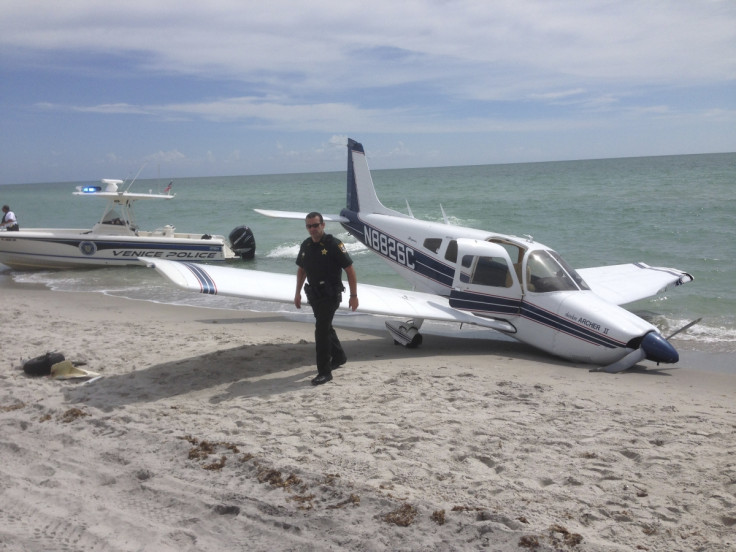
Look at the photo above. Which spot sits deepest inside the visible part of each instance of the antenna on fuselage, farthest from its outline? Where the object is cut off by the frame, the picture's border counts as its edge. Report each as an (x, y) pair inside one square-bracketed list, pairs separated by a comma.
[(444, 215), (409, 209)]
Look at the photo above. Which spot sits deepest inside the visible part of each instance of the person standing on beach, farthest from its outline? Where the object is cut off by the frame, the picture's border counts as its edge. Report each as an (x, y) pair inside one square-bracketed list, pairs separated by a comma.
[(9, 222), (321, 260)]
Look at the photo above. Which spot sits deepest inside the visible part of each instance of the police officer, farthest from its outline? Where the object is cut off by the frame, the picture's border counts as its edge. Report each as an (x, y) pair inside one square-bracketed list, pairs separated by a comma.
[(9, 221), (321, 260)]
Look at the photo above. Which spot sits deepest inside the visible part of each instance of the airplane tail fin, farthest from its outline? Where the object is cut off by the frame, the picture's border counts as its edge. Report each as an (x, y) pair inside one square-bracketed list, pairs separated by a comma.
[(361, 194)]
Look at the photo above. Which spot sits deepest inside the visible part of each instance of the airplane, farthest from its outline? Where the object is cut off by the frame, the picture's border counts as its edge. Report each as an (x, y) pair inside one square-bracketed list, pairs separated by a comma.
[(510, 284)]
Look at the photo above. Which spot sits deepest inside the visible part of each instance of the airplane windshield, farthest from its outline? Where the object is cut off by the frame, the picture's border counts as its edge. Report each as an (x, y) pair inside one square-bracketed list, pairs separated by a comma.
[(547, 271)]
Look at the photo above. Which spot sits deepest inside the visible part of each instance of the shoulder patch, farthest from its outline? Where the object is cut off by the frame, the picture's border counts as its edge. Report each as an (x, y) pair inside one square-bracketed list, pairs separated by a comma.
[(342, 247)]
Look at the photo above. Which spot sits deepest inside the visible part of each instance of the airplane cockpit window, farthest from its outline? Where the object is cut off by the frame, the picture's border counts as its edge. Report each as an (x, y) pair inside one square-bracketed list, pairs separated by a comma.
[(433, 244), (547, 271)]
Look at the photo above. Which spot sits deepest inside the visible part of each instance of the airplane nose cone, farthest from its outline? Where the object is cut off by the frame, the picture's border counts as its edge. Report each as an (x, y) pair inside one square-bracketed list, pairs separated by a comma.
[(658, 349)]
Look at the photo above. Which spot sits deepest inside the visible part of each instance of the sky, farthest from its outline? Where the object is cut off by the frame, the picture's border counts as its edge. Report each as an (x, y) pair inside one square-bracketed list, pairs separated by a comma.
[(178, 88)]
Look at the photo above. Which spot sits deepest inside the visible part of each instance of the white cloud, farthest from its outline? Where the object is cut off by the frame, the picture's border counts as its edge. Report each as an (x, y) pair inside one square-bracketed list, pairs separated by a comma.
[(109, 109), (339, 141), (172, 156), (331, 46), (558, 95), (721, 115)]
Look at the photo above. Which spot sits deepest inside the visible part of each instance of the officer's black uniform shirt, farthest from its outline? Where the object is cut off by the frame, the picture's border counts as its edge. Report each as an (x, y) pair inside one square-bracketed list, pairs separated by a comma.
[(324, 260)]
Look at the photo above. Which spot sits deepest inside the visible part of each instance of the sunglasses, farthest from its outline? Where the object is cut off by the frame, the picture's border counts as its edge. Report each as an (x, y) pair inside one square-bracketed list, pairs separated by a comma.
[(315, 225)]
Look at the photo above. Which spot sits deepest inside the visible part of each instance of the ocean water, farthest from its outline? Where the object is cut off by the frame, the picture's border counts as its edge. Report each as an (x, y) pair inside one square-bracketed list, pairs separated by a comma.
[(672, 211)]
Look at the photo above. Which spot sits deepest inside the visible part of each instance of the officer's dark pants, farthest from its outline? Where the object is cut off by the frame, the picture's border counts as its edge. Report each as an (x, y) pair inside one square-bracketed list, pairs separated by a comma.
[(327, 343)]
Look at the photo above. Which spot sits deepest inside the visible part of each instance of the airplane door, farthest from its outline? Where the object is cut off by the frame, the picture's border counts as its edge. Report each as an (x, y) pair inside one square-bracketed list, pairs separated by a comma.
[(485, 281)]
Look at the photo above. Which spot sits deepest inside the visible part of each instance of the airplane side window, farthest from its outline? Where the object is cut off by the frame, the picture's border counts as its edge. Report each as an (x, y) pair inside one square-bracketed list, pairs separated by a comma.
[(491, 271), (433, 244), (516, 253), (451, 253), (466, 262)]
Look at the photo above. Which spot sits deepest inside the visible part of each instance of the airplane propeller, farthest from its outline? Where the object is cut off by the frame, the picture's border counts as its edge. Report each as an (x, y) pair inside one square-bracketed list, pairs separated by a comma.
[(653, 346), (685, 327)]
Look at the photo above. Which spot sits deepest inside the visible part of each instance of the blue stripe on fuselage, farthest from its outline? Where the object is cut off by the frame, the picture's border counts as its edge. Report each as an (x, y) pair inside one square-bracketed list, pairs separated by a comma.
[(484, 303), (480, 303), (399, 252), (563, 325)]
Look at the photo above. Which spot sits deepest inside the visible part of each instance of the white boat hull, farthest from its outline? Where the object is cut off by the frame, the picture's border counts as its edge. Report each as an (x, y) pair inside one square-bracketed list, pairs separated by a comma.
[(117, 240), (61, 249)]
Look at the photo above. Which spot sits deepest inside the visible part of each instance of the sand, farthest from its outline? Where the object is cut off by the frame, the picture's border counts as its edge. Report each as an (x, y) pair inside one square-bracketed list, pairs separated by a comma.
[(204, 434)]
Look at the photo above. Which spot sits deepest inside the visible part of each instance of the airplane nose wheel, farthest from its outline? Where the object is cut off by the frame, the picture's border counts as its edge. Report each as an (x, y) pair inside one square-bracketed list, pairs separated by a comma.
[(653, 347)]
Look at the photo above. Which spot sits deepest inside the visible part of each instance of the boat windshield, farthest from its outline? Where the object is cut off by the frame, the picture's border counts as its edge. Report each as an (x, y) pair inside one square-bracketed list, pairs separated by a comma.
[(547, 271), (112, 216)]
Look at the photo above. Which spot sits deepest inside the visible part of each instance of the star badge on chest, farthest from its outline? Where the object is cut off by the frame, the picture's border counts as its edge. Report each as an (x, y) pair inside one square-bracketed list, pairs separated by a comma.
[(324, 251)]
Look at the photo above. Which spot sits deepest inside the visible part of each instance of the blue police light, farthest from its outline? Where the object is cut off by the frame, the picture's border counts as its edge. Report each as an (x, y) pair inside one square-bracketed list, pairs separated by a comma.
[(91, 189)]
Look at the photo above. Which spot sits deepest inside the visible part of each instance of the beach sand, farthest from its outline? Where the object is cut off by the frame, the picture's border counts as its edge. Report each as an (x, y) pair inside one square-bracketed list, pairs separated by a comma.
[(204, 434)]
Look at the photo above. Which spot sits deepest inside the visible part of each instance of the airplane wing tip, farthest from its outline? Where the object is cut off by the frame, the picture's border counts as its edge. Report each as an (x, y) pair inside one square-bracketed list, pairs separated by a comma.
[(298, 215)]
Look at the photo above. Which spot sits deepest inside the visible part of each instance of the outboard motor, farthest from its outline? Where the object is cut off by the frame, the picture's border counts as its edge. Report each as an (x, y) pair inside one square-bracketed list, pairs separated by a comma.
[(242, 242)]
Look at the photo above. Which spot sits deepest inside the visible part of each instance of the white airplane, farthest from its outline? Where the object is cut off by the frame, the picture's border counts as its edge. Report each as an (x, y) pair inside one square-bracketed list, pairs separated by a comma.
[(513, 285)]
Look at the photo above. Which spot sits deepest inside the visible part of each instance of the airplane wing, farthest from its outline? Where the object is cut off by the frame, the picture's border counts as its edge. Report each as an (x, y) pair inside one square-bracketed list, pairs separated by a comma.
[(626, 283), (270, 286), (298, 215)]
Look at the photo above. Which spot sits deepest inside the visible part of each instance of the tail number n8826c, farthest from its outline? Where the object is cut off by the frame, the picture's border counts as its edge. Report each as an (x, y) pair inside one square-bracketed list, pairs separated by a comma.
[(389, 247)]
